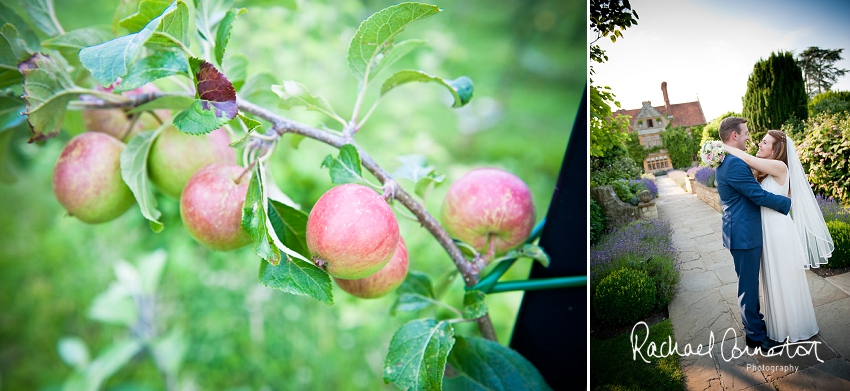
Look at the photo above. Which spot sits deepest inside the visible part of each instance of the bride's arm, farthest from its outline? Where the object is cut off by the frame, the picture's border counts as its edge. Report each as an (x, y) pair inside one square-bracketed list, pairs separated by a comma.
[(767, 166)]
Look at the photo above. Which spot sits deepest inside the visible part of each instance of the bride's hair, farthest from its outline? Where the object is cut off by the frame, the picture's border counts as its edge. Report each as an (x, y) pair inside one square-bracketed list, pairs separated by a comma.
[(780, 151)]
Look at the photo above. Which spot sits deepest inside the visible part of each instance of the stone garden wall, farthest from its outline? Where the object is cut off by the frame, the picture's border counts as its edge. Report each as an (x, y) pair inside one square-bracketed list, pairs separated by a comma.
[(708, 195)]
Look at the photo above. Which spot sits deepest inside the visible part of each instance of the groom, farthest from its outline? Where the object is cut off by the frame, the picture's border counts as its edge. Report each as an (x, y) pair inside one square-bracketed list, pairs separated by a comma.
[(742, 197)]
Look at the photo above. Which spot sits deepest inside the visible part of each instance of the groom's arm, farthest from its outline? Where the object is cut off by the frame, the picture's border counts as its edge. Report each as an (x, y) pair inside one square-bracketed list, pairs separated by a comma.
[(741, 179)]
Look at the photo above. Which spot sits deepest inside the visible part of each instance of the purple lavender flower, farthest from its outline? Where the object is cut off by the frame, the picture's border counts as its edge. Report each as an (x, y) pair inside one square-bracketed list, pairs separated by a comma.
[(832, 210), (639, 240), (705, 175)]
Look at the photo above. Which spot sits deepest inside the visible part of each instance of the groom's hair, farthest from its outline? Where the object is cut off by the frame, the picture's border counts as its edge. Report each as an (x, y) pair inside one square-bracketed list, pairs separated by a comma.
[(729, 125)]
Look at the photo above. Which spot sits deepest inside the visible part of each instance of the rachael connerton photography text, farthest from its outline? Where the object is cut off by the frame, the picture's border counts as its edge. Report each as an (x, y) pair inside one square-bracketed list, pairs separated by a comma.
[(668, 348)]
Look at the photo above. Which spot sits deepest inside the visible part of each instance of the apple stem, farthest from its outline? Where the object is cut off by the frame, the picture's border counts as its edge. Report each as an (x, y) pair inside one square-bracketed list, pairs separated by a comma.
[(249, 168), (130, 127)]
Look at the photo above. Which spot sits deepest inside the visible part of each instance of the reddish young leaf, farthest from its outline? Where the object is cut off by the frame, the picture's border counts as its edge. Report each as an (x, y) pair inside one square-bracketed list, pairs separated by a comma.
[(214, 88)]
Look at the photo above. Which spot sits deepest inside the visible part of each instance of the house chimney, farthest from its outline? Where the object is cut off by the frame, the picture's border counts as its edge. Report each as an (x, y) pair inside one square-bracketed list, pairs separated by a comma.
[(666, 99)]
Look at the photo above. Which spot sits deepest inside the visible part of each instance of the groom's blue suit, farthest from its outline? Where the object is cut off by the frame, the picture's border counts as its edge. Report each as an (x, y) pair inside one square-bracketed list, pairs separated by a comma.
[(742, 197)]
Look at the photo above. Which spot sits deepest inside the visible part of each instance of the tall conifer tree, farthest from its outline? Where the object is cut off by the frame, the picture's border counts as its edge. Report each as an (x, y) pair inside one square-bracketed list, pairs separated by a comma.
[(775, 92)]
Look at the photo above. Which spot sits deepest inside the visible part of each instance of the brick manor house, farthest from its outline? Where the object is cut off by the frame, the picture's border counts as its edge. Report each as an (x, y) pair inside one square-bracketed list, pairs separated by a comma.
[(649, 122)]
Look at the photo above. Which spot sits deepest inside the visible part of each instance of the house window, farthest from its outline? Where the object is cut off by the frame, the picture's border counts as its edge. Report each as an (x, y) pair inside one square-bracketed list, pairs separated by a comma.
[(649, 122)]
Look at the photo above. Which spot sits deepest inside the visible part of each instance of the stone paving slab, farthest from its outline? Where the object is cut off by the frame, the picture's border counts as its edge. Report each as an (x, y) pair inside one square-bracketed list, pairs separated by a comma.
[(706, 304), (834, 324), (841, 281)]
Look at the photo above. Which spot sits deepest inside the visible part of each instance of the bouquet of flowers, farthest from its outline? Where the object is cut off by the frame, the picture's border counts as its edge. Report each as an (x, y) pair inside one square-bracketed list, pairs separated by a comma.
[(712, 153)]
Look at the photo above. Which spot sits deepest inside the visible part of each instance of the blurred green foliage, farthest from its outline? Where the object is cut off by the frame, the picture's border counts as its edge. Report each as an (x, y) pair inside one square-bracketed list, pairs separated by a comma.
[(528, 63)]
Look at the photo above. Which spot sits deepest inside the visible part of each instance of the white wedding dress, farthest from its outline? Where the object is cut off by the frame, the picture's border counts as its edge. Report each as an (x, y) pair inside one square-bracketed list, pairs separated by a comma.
[(788, 309)]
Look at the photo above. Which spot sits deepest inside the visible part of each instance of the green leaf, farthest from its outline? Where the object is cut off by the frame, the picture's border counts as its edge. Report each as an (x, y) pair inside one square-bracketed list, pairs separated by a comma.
[(418, 353), (150, 267), (258, 90), (532, 251), (70, 43), (134, 170), (114, 306), (236, 69), (416, 169), (395, 53), (171, 102), (222, 35), (415, 293), (173, 31), (47, 89), (417, 282), (9, 78), (204, 9), (375, 36), (345, 168), (250, 124), (460, 88), (42, 16), (148, 10), (110, 60), (200, 118), (74, 352), (168, 351), (290, 225), (492, 366), (474, 305), (298, 277), (154, 67), (13, 49), (289, 4), (411, 302), (113, 358), (8, 15), (254, 218), (294, 94)]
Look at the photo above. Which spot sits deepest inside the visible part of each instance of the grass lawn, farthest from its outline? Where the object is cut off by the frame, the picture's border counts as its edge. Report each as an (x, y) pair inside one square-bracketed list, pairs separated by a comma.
[(612, 366)]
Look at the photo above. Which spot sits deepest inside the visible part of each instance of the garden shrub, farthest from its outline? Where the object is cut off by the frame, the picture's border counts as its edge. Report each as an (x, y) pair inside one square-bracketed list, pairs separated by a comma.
[(692, 171), (824, 155), (624, 297), (705, 175), (644, 245), (829, 102), (623, 190), (615, 165), (597, 222), (840, 232)]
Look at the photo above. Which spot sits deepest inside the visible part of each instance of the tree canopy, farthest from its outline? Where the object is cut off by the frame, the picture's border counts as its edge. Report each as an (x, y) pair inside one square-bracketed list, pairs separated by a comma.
[(819, 68), (607, 18)]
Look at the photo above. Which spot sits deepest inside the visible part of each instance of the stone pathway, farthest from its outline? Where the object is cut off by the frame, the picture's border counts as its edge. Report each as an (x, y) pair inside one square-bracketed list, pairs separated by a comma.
[(706, 303)]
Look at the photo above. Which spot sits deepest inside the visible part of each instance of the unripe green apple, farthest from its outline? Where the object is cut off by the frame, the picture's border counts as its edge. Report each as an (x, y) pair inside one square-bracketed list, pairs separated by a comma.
[(489, 206), (87, 178), (211, 206), (384, 281), (116, 122), (175, 156), (352, 232)]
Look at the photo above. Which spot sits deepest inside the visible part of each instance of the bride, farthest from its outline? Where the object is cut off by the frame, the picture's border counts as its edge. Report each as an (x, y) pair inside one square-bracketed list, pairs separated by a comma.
[(791, 243)]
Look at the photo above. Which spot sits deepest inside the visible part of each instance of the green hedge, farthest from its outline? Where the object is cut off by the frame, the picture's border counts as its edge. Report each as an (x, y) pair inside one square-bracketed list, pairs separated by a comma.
[(840, 232), (624, 297)]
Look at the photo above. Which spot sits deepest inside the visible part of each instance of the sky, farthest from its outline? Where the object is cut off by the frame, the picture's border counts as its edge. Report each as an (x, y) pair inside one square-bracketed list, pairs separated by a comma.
[(706, 50)]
